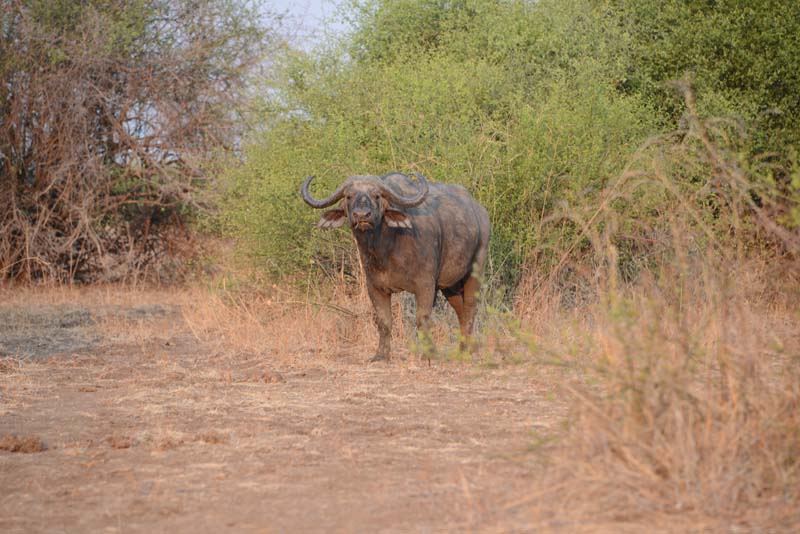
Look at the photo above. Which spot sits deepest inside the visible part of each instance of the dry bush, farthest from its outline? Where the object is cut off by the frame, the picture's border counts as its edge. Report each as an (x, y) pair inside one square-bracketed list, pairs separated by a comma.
[(687, 408), (25, 444), (686, 413), (109, 115), (329, 322)]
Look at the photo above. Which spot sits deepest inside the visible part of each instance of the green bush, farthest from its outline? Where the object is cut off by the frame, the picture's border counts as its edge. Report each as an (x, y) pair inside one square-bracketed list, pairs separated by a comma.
[(742, 57), (533, 106)]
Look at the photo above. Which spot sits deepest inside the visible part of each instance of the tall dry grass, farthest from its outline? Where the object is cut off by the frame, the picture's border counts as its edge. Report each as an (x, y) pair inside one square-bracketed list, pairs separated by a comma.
[(331, 321), (686, 407), (686, 412)]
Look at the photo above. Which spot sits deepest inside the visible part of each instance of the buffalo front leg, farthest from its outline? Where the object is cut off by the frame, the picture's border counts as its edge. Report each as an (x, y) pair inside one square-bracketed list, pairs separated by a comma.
[(382, 307)]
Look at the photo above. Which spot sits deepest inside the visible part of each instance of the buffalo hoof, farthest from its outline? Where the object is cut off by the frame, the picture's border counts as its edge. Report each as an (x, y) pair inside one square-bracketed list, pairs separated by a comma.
[(379, 358)]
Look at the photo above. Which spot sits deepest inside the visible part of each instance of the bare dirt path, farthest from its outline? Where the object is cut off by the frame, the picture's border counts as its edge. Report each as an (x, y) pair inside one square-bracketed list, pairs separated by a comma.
[(162, 432)]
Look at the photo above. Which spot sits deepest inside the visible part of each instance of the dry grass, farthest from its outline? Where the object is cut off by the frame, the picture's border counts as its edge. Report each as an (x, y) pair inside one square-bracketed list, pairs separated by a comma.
[(685, 408), (685, 414), (24, 444), (684, 392)]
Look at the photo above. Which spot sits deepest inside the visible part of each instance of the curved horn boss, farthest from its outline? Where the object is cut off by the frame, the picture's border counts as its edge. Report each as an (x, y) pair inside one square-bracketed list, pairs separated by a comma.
[(406, 202)]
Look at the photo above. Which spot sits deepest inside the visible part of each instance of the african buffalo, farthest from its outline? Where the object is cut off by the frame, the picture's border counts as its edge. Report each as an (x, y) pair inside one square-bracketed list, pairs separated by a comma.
[(416, 239)]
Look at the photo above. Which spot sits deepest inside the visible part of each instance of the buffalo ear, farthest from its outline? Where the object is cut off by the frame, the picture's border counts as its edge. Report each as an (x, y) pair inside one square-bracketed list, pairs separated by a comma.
[(396, 219), (332, 219)]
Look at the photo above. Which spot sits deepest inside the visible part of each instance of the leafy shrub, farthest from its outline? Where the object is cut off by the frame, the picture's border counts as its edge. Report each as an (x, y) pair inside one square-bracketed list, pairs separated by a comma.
[(741, 55), (525, 119), (535, 107)]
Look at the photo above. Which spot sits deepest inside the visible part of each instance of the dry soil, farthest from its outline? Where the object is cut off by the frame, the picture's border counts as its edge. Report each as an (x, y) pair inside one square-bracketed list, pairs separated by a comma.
[(143, 426)]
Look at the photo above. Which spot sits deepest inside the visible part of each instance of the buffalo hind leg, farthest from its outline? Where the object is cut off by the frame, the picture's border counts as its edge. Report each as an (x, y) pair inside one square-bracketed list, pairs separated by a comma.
[(382, 306), (425, 298), (456, 301), (472, 286), (463, 299), (470, 296)]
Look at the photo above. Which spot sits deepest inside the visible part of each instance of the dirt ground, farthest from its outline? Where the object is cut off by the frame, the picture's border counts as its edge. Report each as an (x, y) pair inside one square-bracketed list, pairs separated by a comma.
[(148, 427)]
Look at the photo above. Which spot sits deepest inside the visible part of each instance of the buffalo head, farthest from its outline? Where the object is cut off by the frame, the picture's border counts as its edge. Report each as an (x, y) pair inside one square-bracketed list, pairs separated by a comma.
[(366, 202)]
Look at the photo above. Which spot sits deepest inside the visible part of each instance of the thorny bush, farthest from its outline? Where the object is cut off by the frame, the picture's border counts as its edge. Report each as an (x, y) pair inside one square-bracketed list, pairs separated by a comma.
[(109, 112)]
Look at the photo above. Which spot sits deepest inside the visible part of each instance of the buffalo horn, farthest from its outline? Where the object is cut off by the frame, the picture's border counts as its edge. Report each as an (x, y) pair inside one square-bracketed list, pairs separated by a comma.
[(404, 202), (325, 202)]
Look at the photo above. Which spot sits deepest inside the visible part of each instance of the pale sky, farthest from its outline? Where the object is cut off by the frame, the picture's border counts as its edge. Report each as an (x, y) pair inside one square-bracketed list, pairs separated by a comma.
[(308, 21)]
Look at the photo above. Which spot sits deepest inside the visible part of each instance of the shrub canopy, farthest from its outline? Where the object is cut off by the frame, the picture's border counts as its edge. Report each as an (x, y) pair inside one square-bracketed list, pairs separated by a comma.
[(534, 106)]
